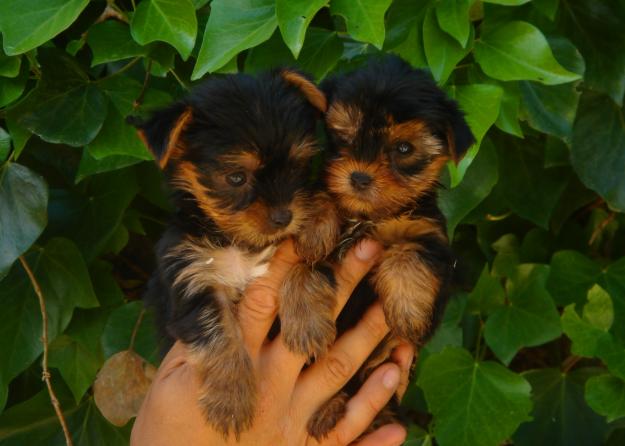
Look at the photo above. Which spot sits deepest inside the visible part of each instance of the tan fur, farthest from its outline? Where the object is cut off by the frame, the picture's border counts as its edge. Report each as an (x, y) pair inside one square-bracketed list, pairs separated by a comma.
[(304, 151), (396, 230), (243, 160), (344, 121), (307, 302), (324, 420), (416, 133), (310, 90), (174, 147), (408, 290), (320, 233)]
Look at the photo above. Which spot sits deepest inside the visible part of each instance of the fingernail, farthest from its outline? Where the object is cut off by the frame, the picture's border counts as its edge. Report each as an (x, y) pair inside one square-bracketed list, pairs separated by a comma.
[(367, 250), (390, 380)]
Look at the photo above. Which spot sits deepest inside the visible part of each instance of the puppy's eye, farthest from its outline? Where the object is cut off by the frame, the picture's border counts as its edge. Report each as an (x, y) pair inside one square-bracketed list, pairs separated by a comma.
[(236, 179), (404, 148)]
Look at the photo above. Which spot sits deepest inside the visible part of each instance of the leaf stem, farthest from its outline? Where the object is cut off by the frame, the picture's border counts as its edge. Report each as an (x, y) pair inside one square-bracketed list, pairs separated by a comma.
[(44, 362), (135, 329), (137, 102), (122, 69), (570, 362), (180, 81), (478, 345)]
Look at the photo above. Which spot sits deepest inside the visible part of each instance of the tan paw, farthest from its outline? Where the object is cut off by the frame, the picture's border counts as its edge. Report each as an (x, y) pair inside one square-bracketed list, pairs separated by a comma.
[(324, 420)]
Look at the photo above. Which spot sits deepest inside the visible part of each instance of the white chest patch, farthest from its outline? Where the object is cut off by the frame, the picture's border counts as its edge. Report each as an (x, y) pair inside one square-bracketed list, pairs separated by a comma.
[(227, 270)]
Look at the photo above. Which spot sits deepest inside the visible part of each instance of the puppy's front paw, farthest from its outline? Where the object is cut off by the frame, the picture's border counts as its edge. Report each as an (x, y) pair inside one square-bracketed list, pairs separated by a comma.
[(324, 420), (228, 396), (319, 236), (307, 304)]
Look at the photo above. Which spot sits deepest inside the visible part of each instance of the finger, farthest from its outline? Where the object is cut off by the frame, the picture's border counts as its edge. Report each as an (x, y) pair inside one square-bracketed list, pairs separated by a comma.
[(324, 378), (361, 410), (356, 264), (259, 306), (389, 435), (403, 356), (353, 268)]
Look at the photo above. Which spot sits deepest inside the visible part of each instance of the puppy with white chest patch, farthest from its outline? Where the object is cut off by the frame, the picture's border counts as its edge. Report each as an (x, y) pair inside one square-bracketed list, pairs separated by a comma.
[(237, 155)]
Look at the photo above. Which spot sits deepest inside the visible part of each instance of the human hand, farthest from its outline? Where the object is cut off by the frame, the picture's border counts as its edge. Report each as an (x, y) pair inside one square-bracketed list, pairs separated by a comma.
[(287, 395)]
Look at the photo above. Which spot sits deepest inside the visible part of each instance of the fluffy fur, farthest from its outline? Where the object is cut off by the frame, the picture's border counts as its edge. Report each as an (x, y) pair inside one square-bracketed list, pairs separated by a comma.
[(237, 155), (390, 132)]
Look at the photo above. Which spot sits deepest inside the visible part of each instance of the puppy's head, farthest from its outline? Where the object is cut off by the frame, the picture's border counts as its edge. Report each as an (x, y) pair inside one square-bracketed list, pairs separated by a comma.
[(239, 149), (391, 130)]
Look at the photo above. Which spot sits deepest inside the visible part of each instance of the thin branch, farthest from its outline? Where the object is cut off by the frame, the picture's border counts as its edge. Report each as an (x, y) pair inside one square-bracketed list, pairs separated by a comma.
[(44, 362), (137, 102), (135, 330), (122, 69), (570, 362), (600, 227), (180, 81)]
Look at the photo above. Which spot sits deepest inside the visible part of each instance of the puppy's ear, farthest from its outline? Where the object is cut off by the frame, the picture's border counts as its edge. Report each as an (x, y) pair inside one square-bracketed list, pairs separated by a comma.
[(308, 88), (459, 135), (162, 131)]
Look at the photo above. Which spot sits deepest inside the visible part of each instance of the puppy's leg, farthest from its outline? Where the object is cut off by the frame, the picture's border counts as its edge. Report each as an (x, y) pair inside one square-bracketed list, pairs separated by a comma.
[(411, 279), (307, 302), (210, 330), (319, 234), (326, 417)]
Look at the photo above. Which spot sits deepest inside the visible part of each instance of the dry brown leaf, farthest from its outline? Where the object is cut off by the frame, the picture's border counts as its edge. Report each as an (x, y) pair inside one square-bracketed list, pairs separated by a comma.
[(121, 386)]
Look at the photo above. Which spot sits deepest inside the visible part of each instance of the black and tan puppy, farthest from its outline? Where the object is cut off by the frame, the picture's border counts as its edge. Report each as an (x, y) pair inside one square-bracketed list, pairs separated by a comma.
[(237, 155), (390, 132)]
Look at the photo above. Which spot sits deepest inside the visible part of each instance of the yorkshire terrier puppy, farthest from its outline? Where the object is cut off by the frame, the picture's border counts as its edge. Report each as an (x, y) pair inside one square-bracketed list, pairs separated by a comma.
[(390, 132), (237, 156)]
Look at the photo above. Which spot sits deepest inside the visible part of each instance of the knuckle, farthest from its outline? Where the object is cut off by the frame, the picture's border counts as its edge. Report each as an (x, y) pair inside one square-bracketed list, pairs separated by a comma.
[(339, 368), (346, 276), (260, 302), (375, 325)]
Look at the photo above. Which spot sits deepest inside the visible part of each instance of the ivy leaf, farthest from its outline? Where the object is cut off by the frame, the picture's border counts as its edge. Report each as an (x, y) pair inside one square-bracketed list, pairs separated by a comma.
[(453, 18), (9, 65), (463, 392), (171, 21), (365, 20), (294, 16), (404, 31), (78, 365), (530, 319), (23, 211), (233, 26), (111, 41), (477, 183), (29, 23), (606, 395), (117, 138), (487, 295), (449, 333), (596, 28), (519, 51), (5, 147), (442, 51), (12, 88), (89, 165), (507, 2), (119, 328), (561, 416), (571, 276), (508, 119), (507, 258), (598, 148), (62, 275), (481, 104), (528, 188)]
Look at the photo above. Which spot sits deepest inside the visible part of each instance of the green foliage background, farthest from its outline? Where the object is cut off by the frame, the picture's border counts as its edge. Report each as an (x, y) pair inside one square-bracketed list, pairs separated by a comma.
[(532, 348)]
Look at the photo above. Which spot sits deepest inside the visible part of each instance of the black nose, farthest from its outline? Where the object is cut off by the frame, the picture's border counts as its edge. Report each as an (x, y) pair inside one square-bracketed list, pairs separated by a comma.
[(280, 217), (360, 180)]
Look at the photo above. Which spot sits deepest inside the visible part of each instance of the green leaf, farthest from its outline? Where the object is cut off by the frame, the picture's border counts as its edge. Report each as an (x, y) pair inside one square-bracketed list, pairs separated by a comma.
[(519, 51), (480, 103), (477, 183), (111, 41), (26, 24), (117, 138), (294, 16), (508, 119), (5, 147), (123, 92), (551, 109), (453, 18), (487, 295), (62, 275), (561, 416), (170, 21), (507, 2), (118, 332), (530, 319), (90, 165), (599, 311), (365, 19), (596, 28), (442, 51), (91, 216), (571, 276), (449, 333), (463, 392), (9, 65), (598, 148), (404, 31), (547, 7), (528, 188), (233, 26), (78, 365), (12, 88), (606, 395), (23, 211)]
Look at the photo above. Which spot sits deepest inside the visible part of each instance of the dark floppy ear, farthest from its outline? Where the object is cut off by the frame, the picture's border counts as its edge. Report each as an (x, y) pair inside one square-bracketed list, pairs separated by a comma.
[(308, 88), (162, 131), (459, 135)]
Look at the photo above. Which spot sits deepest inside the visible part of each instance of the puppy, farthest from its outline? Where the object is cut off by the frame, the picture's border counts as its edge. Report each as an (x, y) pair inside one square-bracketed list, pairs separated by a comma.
[(237, 156), (390, 132)]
